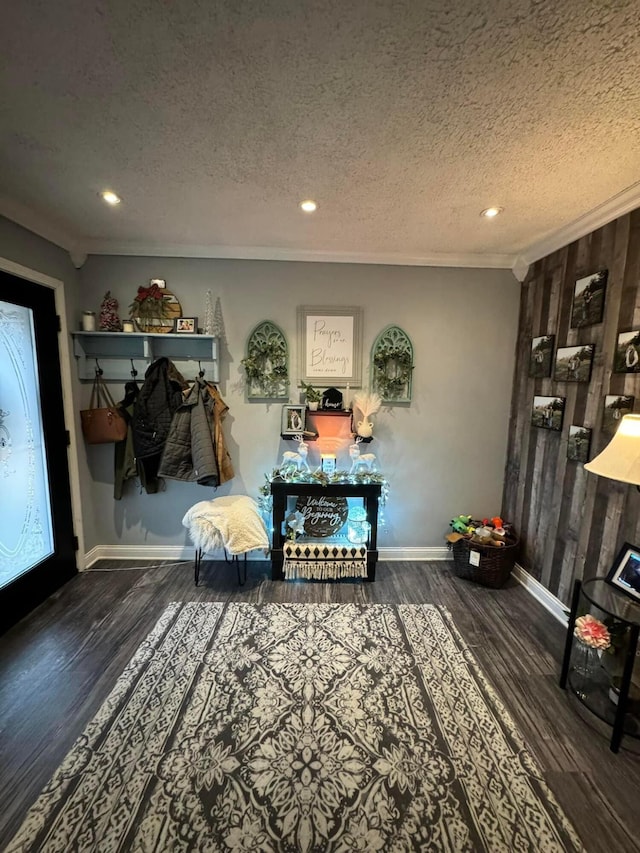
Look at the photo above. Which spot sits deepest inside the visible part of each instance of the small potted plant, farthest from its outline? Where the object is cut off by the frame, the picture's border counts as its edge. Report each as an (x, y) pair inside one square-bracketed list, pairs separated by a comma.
[(312, 396)]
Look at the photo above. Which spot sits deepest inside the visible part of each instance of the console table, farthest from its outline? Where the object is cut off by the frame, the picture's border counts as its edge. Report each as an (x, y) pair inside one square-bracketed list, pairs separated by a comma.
[(281, 490)]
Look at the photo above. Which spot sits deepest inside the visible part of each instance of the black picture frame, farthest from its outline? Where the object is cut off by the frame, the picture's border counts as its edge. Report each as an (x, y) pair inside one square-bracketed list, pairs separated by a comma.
[(589, 294), (616, 406), (626, 358), (624, 574), (573, 364), (185, 325), (578, 443), (548, 412), (541, 358)]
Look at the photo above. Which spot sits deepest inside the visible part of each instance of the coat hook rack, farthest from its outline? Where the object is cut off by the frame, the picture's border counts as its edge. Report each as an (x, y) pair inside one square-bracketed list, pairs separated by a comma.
[(99, 370), (201, 373), (134, 372)]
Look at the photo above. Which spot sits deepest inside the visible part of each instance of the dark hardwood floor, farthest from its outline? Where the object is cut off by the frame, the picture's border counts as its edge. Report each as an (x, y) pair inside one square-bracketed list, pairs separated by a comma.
[(58, 665)]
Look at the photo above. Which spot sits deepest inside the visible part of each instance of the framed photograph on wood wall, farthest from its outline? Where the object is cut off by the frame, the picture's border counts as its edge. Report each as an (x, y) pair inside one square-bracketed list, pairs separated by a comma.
[(541, 356), (330, 345), (579, 443), (615, 406), (627, 355), (548, 412), (573, 364), (625, 572), (588, 299)]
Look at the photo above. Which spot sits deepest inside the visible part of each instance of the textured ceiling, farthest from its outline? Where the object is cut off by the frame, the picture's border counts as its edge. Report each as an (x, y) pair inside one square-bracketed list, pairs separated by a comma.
[(214, 118)]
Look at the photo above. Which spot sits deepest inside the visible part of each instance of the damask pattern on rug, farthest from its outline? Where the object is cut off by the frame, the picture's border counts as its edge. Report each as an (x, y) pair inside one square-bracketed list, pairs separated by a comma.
[(299, 727)]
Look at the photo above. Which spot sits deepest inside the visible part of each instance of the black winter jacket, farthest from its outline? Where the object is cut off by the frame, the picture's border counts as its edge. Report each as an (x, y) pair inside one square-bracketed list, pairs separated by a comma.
[(158, 400), (189, 453)]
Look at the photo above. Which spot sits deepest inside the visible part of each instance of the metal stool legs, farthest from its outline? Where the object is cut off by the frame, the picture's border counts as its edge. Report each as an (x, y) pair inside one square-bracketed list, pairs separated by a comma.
[(242, 579), (197, 564), (235, 559)]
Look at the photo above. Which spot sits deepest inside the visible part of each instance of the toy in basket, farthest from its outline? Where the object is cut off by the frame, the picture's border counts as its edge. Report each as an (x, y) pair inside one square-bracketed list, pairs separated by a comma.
[(483, 551)]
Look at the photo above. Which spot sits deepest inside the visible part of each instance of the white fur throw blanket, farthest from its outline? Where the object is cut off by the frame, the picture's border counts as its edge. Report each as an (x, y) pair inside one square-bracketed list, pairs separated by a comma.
[(232, 522)]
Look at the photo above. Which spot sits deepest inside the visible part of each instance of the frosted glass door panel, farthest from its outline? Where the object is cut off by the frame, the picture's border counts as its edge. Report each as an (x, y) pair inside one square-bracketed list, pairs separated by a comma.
[(26, 532)]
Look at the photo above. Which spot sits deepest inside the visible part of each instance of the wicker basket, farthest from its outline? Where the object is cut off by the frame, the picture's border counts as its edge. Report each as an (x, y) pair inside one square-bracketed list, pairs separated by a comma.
[(495, 563)]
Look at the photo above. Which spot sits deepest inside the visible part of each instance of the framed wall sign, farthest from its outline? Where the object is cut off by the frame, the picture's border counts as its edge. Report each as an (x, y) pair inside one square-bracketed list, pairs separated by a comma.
[(330, 345)]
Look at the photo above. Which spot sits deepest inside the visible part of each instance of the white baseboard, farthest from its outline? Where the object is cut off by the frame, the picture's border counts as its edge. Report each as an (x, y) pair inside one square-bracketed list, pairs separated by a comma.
[(541, 593), (416, 554), (186, 552), (140, 552)]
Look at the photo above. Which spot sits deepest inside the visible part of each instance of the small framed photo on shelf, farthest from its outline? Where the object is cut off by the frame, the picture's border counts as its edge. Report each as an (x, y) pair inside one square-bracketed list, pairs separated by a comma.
[(627, 355), (579, 444), (625, 572), (573, 364), (588, 300), (548, 412), (615, 407), (185, 325), (293, 418), (541, 356)]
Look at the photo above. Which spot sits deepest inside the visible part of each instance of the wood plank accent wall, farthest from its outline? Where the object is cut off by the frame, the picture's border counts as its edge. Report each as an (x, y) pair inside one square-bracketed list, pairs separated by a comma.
[(572, 523)]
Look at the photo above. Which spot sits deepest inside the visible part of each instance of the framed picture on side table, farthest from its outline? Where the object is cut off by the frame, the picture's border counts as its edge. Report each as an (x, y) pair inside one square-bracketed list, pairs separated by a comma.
[(625, 572)]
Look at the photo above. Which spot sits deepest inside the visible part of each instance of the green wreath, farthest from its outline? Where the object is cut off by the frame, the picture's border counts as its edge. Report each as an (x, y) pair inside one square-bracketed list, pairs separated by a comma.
[(392, 387), (269, 381)]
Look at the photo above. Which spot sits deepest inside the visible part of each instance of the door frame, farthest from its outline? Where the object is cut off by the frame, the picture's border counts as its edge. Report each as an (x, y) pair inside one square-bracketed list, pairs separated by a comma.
[(67, 392)]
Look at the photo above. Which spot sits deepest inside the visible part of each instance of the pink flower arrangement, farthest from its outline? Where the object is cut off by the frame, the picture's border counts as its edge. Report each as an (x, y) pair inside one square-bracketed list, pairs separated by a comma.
[(592, 632)]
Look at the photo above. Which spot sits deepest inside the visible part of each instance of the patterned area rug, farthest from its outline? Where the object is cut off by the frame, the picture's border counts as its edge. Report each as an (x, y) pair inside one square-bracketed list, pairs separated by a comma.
[(292, 727)]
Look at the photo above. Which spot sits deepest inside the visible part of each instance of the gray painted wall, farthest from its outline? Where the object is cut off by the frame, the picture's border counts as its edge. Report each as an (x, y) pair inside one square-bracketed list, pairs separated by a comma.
[(443, 455)]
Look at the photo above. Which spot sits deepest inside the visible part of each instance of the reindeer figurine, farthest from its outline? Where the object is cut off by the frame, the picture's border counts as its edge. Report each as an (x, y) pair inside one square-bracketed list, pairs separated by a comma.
[(358, 459), (299, 458)]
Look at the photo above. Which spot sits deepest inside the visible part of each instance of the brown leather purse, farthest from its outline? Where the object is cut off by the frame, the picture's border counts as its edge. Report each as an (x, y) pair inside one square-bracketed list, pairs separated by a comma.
[(102, 422)]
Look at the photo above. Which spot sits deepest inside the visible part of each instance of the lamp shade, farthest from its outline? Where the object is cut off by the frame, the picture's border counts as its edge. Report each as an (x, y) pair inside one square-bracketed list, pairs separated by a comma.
[(620, 460)]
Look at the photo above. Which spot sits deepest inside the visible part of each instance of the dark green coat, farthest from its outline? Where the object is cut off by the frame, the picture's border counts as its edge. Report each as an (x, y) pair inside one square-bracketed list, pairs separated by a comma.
[(189, 452)]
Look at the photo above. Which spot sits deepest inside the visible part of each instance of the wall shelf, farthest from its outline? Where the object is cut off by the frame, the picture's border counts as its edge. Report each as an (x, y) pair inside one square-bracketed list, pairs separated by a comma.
[(116, 350)]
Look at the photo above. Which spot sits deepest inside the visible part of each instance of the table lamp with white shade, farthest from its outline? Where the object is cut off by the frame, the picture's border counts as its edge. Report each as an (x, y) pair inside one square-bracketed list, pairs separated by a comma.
[(620, 459)]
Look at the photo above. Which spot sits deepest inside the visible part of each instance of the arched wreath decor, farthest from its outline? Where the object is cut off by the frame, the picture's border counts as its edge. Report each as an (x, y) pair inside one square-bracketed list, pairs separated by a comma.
[(267, 363), (392, 365)]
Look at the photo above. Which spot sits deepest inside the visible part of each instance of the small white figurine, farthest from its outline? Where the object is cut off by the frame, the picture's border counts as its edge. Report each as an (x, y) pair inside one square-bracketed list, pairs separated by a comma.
[(299, 458), (358, 459)]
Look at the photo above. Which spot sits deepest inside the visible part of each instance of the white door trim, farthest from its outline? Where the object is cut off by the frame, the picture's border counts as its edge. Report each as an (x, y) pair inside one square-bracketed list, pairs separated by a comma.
[(67, 395)]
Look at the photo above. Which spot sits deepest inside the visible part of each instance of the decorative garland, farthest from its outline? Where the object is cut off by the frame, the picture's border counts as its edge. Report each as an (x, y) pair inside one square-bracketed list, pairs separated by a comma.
[(391, 387), (269, 382), (319, 477)]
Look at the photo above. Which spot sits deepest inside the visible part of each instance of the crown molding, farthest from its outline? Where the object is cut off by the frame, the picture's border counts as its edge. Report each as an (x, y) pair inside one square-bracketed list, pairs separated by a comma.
[(618, 205), (41, 225), (520, 268), (268, 253)]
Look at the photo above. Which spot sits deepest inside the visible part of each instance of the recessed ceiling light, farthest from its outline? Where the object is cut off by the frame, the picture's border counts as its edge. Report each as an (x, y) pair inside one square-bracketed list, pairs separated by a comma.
[(110, 197), (308, 206), (490, 212)]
